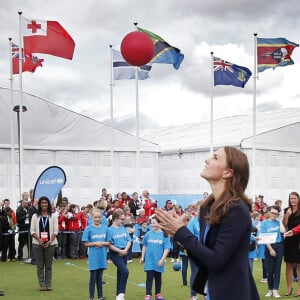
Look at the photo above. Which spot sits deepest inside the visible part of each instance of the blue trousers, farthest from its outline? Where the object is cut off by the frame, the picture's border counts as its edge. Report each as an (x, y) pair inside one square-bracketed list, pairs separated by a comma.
[(96, 279), (274, 266), (194, 270), (122, 271), (264, 267), (149, 281), (184, 267)]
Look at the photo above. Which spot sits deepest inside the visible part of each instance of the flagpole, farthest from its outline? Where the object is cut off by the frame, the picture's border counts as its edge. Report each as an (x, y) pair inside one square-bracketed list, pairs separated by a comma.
[(137, 116), (112, 123), (137, 113), (254, 118), (20, 108), (11, 123), (212, 103)]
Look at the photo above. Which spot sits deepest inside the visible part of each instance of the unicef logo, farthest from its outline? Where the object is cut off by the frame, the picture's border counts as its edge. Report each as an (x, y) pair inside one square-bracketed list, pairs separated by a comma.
[(60, 180)]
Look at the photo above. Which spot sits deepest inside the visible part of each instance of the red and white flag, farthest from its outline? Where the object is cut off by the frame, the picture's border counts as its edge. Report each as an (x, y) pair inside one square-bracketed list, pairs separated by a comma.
[(47, 37), (29, 63)]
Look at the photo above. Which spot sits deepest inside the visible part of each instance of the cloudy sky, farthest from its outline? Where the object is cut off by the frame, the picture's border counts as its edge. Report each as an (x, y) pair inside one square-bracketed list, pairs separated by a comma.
[(170, 97)]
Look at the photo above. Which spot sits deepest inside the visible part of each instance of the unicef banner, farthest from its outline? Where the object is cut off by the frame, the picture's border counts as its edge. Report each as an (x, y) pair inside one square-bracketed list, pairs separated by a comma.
[(50, 183)]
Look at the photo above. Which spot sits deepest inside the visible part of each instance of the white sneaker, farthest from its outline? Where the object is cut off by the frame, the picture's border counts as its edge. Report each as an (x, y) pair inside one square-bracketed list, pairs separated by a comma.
[(194, 298), (172, 260), (276, 294), (269, 294), (121, 296)]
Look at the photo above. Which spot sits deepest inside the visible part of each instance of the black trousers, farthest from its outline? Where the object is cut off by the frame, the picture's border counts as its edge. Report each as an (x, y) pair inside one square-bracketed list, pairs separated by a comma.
[(23, 240)]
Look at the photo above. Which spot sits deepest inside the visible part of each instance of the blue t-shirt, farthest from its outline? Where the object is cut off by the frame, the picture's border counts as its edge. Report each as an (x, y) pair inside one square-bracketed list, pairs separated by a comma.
[(252, 254), (119, 237), (271, 226), (194, 226), (156, 243), (97, 256)]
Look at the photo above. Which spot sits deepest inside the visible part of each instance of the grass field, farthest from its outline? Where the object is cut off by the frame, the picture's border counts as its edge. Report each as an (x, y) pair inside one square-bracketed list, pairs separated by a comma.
[(70, 281)]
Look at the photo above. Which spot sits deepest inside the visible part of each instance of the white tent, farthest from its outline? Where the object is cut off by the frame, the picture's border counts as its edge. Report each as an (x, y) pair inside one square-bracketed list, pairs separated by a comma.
[(184, 149), (274, 131), (53, 135), (52, 127), (171, 158)]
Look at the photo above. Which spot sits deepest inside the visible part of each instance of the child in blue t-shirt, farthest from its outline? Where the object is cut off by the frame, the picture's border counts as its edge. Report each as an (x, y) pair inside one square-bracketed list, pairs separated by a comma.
[(94, 237), (120, 242), (142, 232), (156, 247)]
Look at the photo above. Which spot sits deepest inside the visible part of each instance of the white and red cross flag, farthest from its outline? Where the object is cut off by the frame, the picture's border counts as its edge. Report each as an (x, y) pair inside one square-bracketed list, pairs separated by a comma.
[(47, 37)]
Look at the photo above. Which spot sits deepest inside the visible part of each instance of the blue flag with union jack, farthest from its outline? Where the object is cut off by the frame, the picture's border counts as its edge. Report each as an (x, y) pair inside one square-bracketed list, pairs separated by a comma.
[(226, 73)]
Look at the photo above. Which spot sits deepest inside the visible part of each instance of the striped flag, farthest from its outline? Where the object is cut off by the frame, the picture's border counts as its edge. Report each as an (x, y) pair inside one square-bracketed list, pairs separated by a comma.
[(123, 70)]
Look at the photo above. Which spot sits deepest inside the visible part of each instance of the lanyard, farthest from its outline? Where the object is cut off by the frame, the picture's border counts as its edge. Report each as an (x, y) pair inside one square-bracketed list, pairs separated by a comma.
[(44, 222), (207, 227)]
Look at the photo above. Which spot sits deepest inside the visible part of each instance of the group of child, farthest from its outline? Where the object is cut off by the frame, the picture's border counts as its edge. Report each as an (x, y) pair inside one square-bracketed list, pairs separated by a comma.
[(98, 237)]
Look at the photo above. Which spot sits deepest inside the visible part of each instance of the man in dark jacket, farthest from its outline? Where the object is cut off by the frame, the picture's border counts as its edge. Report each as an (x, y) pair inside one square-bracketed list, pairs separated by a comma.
[(23, 224), (134, 204), (8, 235)]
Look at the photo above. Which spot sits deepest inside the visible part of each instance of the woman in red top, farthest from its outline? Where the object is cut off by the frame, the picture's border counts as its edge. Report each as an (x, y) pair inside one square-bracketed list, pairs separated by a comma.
[(62, 235), (178, 210), (82, 220), (149, 206), (125, 199), (73, 228)]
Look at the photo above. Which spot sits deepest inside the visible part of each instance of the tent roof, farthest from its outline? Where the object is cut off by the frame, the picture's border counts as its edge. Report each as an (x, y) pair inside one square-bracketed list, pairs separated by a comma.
[(52, 127), (277, 130)]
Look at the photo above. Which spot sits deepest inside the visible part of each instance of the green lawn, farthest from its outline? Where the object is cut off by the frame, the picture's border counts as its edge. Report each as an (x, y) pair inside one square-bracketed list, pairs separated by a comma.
[(70, 281)]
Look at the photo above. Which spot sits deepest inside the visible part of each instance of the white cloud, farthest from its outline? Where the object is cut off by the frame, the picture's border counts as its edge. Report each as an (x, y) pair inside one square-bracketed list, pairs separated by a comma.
[(171, 96)]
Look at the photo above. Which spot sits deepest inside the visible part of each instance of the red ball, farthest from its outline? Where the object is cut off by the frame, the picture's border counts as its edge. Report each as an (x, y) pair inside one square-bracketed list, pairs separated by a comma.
[(137, 48)]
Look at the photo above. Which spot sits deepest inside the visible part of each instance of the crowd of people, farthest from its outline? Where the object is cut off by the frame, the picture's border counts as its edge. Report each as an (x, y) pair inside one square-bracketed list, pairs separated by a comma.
[(102, 232), (273, 219), (31, 226)]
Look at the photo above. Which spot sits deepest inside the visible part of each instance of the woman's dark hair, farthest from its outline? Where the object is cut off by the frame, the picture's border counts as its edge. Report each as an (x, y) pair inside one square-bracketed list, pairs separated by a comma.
[(234, 189), (158, 221), (297, 213), (40, 208), (72, 206)]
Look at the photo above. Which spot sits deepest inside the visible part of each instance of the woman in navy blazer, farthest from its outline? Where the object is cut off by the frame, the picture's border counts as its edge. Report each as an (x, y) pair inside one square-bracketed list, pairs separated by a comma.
[(221, 253)]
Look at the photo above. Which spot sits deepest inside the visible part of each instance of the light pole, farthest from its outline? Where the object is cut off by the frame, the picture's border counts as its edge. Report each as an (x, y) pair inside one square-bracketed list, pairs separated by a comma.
[(20, 142)]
